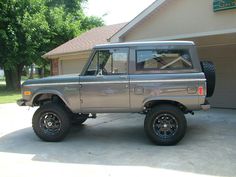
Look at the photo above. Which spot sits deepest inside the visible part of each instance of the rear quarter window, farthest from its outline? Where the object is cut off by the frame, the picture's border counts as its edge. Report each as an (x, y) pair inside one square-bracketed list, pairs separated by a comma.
[(163, 59)]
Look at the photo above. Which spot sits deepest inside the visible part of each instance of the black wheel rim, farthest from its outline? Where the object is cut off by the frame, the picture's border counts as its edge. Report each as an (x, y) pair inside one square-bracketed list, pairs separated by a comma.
[(165, 125), (50, 123)]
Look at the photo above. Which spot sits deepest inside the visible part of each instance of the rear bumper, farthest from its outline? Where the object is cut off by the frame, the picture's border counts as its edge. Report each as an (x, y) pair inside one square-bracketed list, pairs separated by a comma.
[(21, 102), (206, 106)]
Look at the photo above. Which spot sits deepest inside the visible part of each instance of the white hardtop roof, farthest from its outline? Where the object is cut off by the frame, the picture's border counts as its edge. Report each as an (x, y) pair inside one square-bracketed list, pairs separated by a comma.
[(146, 43)]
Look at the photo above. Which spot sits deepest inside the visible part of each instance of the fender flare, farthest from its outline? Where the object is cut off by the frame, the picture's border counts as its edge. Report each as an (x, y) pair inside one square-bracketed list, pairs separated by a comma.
[(53, 92), (163, 100)]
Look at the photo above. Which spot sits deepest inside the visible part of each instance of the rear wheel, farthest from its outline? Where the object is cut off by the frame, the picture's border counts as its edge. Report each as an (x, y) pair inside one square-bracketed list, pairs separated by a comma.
[(165, 125), (51, 122)]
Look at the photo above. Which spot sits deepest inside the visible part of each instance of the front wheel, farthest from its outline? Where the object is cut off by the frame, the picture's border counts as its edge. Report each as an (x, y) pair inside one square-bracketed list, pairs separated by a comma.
[(51, 122), (165, 125)]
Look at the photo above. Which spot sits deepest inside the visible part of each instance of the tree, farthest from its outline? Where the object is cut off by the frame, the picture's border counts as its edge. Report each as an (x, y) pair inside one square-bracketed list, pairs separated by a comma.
[(30, 28)]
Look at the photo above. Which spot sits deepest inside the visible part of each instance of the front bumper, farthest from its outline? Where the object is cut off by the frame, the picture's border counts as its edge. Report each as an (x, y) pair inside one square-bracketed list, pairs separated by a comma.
[(21, 102)]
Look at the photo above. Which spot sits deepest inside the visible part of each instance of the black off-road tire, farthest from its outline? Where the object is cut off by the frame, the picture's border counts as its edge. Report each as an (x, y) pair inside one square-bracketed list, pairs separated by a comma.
[(56, 116), (209, 70), (156, 116)]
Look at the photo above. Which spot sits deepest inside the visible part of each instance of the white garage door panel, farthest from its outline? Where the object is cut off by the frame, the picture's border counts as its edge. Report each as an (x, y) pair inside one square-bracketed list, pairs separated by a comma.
[(224, 58), (72, 66), (225, 91)]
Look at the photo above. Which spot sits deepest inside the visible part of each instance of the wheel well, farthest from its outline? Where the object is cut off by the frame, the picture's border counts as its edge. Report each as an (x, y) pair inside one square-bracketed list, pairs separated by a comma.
[(46, 98), (153, 103)]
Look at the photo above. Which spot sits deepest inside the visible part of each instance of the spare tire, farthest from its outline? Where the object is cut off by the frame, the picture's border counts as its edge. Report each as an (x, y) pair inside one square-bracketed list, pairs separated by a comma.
[(209, 70)]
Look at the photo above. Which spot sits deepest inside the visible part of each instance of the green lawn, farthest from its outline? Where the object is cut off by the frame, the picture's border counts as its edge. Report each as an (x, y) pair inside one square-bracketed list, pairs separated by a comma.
[(8, 96)]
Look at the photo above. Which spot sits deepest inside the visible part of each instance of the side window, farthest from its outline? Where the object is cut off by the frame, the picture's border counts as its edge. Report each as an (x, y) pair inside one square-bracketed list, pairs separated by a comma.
[(117, 63), (109, 62), (93, 66), (163, 59)]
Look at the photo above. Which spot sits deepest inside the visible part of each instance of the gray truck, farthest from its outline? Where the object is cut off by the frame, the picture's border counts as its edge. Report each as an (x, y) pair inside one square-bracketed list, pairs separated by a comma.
[(162, 80)]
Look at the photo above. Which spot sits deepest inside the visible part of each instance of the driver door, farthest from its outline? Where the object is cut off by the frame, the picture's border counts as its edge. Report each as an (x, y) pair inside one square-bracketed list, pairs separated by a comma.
[(105, 83)]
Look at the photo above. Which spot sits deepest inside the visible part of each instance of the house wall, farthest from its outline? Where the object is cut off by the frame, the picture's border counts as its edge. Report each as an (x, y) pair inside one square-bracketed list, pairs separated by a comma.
[(69, 63), (179, 19), (54, 67)]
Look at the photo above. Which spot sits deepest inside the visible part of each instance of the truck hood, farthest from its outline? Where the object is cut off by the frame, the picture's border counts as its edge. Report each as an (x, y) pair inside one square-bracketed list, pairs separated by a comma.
[(53, 79)]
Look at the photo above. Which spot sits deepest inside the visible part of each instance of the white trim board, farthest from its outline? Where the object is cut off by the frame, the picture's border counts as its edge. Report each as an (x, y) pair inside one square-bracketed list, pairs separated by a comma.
[(193, 35)]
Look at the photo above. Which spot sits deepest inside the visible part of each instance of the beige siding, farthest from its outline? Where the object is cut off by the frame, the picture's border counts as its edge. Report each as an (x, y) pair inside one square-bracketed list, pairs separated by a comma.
[(182, 19)]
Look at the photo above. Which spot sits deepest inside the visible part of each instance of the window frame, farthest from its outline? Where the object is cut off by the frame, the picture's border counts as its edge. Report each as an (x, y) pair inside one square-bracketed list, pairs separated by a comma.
[(97, 50), (153, 70)]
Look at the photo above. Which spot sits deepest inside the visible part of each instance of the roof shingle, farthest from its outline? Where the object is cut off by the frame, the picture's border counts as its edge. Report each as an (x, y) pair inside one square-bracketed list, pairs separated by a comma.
[(87, 40)]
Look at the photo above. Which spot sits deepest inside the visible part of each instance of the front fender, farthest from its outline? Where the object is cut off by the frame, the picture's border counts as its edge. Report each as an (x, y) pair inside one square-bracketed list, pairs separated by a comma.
[(48, 91)]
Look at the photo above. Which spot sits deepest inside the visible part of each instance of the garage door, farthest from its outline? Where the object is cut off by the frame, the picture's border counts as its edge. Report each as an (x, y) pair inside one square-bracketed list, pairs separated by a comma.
[(224, 58), (72, 66)]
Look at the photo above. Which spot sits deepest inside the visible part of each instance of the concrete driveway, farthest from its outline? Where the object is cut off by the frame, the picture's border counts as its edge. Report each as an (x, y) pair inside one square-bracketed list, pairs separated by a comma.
[(115, 145)]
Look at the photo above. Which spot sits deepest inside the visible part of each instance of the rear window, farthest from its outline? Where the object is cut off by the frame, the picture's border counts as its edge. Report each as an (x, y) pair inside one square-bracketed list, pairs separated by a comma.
[(167, 59)]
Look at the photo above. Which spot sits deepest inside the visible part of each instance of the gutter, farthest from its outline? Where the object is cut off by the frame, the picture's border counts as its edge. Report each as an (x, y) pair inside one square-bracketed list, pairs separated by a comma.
[(54, 56)]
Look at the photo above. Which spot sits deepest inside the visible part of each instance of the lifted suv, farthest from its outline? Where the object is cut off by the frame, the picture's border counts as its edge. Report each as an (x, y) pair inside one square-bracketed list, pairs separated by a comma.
[(163, 80)]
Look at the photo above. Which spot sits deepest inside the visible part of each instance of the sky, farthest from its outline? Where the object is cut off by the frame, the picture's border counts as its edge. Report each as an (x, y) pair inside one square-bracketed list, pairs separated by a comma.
[(116, 11)]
